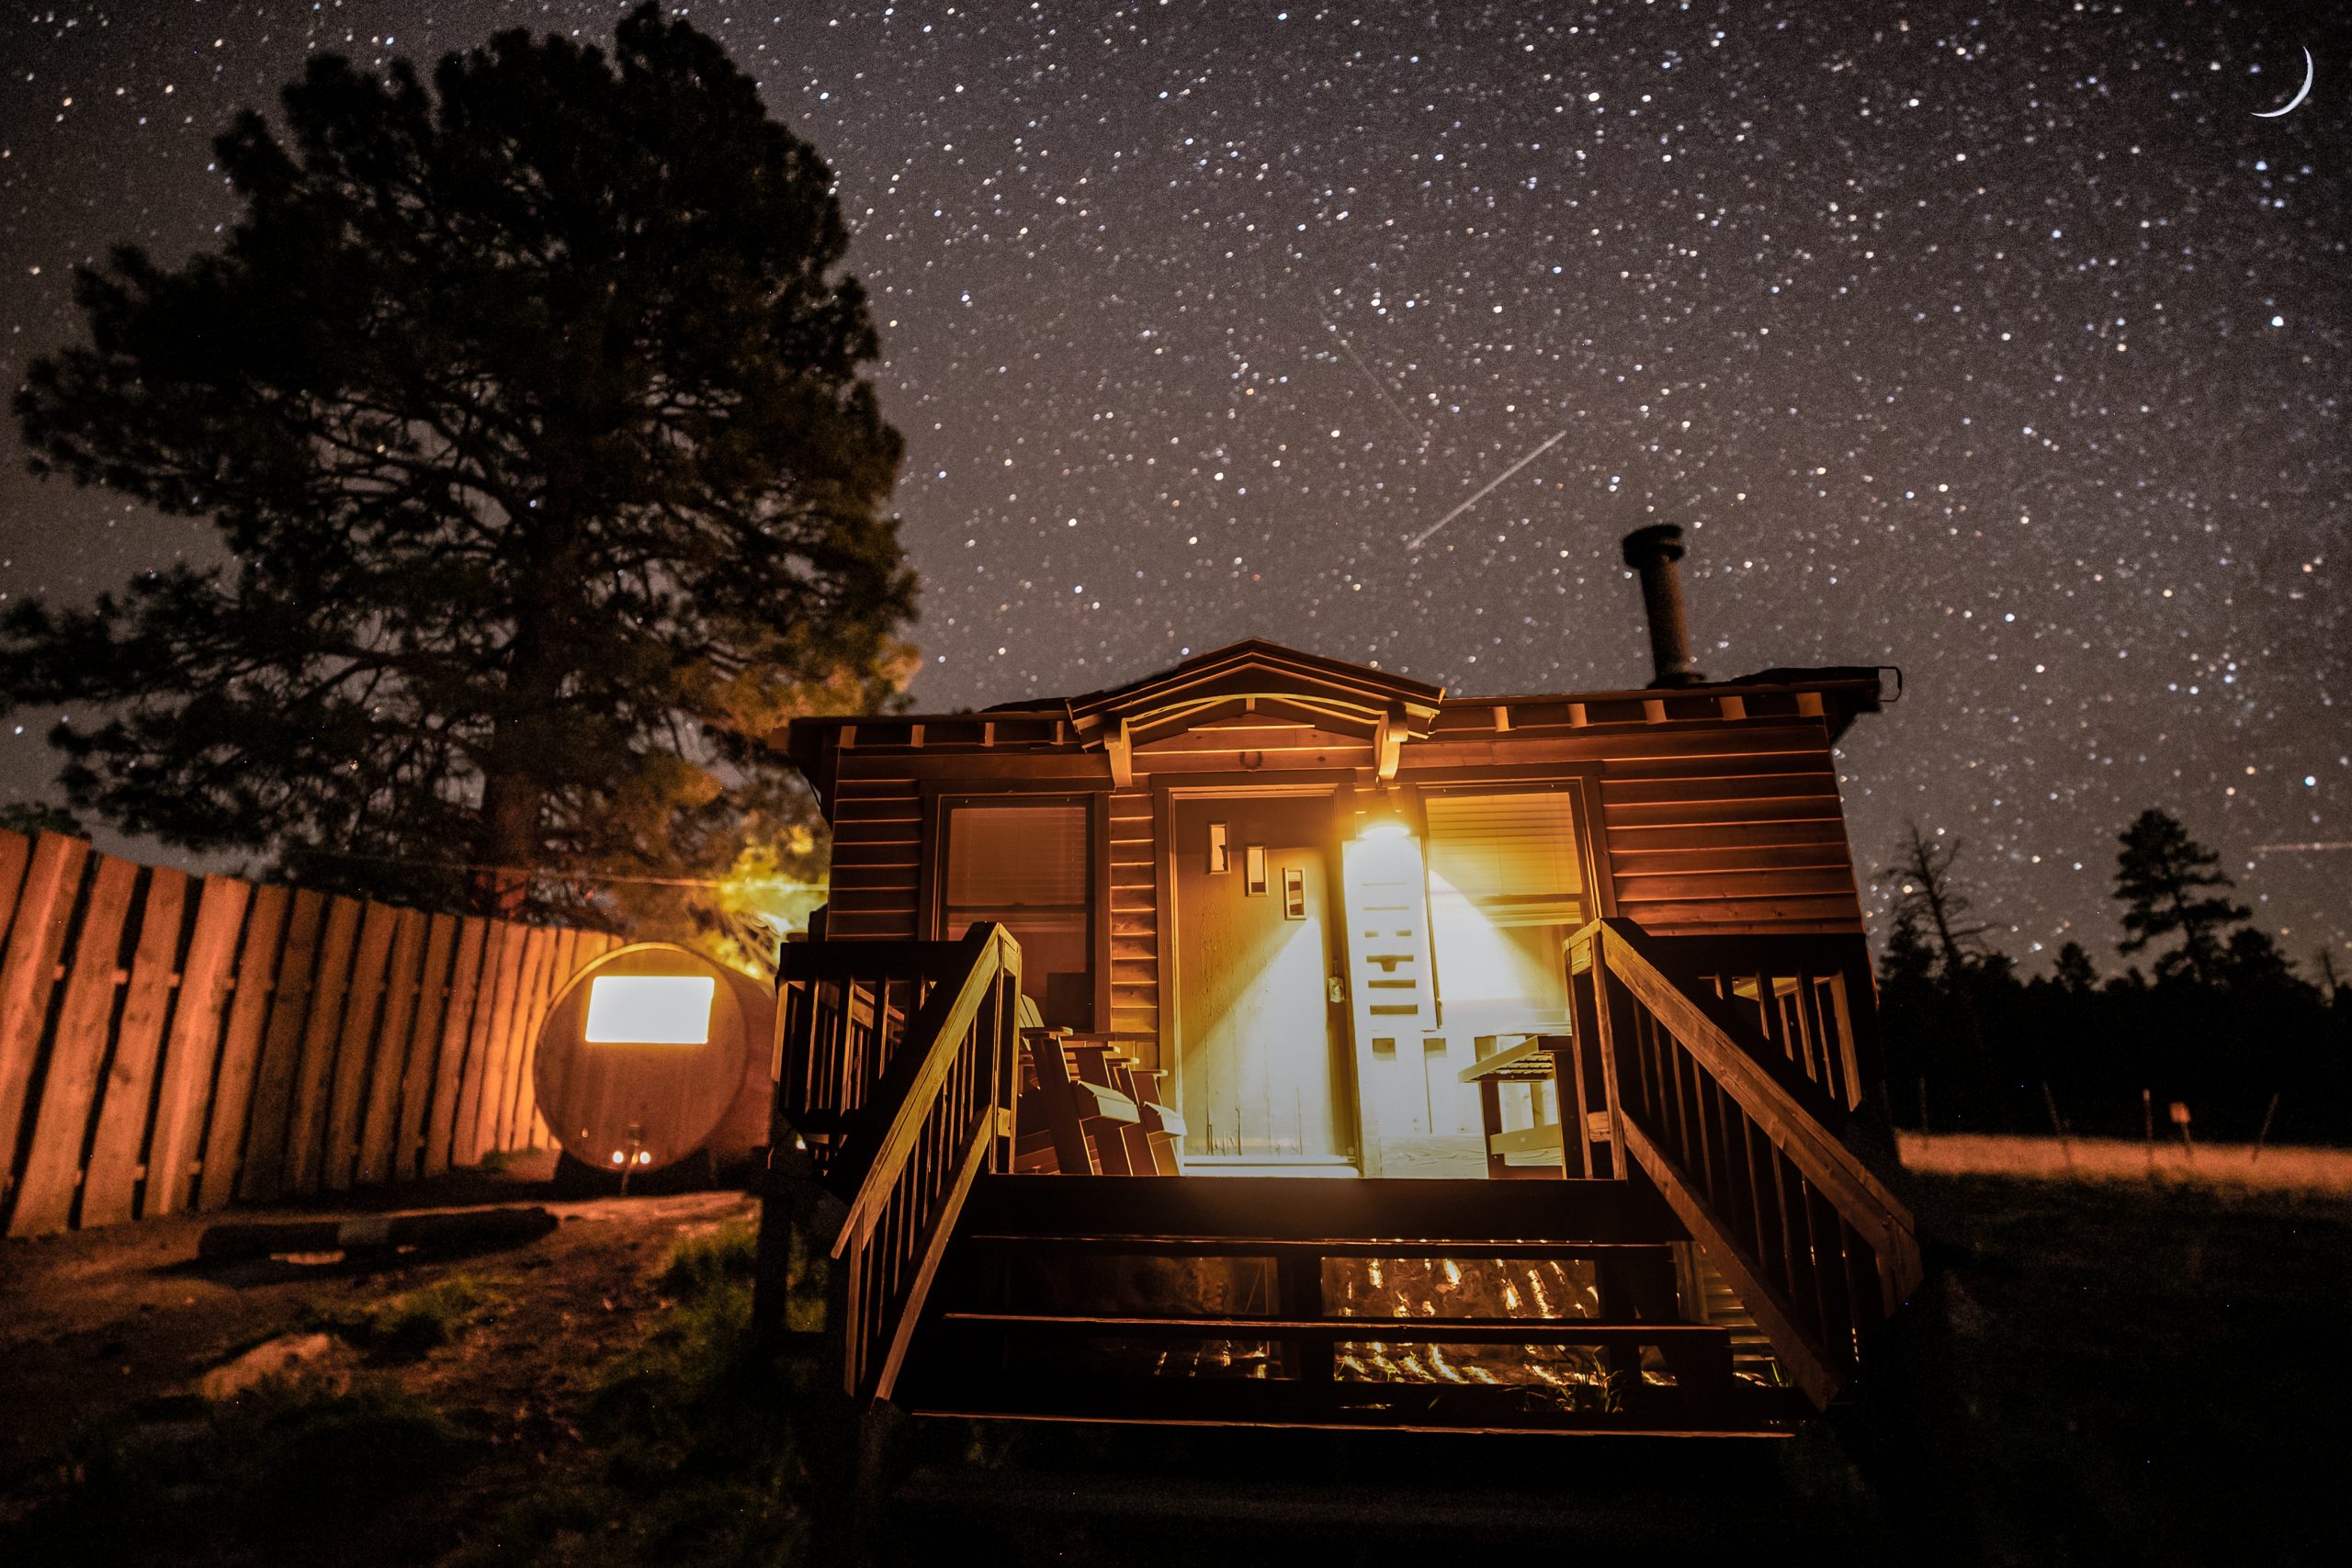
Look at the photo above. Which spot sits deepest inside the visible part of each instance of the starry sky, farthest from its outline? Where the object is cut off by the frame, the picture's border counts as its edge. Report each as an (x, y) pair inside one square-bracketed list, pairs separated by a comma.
[(2002, 343)]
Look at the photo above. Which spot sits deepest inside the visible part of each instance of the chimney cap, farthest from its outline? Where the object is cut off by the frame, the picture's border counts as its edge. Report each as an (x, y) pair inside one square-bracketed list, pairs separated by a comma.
[(1658, 542)]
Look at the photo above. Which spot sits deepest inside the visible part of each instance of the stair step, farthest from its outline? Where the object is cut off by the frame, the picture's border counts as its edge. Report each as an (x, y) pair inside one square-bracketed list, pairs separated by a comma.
[(1390, 1330), (1281, 1402), (1268, 1245), (1280, 1208)]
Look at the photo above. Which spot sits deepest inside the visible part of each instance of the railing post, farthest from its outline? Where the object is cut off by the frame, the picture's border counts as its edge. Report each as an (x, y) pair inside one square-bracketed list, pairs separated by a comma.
[(1594, 1052), (1007, 1055), (1583, 1026), (798, 1219), (1615, 1037)]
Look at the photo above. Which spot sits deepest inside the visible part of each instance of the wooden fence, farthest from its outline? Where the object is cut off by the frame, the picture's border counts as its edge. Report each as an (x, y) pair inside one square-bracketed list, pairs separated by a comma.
[(173, 1041)]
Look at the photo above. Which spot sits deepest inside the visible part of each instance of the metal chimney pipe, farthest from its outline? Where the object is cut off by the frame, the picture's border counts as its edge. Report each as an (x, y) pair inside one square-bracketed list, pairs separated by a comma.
[(1653, 551)]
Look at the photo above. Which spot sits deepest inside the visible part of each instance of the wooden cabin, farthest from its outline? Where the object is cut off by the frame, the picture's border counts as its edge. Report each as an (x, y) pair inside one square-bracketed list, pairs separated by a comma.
[(1560, 1000)]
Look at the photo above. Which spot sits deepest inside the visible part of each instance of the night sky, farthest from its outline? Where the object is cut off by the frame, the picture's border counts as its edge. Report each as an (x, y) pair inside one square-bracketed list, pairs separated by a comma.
[(2003, 343)]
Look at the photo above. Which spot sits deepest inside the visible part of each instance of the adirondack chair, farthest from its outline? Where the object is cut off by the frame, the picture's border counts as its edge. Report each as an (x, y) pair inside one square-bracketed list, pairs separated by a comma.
[(1089, 1107), (1067, 1120), (1145, 1146)]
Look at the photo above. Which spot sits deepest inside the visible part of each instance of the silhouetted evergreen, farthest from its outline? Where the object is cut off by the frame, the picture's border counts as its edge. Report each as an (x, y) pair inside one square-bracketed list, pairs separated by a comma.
[(2225, 1023), (2167, 882), (529, 405)]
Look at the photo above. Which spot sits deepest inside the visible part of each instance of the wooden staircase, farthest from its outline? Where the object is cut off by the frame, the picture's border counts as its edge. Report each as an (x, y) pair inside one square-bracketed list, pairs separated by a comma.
[(1709, 1100), (1416, 1306)]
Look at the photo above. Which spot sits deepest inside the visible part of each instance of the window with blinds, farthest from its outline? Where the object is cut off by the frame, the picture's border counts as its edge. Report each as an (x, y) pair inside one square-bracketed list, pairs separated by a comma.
[(1026, 868), (1512, 855), (1506, 889), (1010, 857)]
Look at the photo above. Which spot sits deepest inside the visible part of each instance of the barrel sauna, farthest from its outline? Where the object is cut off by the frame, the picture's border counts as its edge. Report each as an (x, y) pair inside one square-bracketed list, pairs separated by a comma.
[(654, 1058)]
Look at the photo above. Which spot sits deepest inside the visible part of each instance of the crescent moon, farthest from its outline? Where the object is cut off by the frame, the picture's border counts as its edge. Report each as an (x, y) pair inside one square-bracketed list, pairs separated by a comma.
[(2301, 93)]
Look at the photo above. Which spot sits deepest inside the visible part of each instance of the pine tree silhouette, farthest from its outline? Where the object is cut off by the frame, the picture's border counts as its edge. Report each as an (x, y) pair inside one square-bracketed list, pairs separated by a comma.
[(2169, 884)]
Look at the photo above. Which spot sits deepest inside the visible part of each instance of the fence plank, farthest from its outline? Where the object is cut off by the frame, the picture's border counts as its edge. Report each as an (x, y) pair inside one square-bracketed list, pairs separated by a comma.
[(340, 1149), (263, 1169), (568, 943), (306, 1128), (477, 1116), (539, 964), (457, 1036), (15, 853), (193, 1045), (425, 1044), (128, 1089), (386, 1075), (53, 878), (527, 970), (222, 1157), (527, 1091), (77, 1055)]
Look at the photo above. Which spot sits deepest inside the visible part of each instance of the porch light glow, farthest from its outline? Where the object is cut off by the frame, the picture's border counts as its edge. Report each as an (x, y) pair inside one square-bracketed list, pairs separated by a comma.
[(1385, 828), (649, 1009)]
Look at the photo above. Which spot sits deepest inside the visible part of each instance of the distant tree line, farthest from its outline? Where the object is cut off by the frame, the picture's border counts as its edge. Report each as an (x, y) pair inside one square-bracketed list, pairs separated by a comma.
[(2220, 1020)]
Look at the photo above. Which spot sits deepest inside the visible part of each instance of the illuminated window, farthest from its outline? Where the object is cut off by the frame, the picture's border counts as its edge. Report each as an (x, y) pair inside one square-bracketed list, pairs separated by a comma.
[(1025, 866), (1506, 890), (649, 1009), (1253, 872), (1220, 851)]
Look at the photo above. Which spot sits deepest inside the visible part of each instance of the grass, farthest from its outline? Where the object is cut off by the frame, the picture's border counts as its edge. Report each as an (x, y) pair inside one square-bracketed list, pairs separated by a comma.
[(408, 1326), (286, 1471), (696, 1460), (2101, 1373), (701, 1265)]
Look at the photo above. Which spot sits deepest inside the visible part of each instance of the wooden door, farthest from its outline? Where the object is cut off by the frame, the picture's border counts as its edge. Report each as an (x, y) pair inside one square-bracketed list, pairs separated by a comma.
[(1261, 1036)]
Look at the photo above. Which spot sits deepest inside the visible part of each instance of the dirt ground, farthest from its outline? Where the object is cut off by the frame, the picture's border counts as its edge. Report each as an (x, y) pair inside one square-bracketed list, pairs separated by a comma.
[(2097, 1371), (101, 1331)]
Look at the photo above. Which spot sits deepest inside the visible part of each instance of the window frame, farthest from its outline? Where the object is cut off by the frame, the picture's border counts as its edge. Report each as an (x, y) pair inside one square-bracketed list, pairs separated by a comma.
[(939, 805), (1577, 791)]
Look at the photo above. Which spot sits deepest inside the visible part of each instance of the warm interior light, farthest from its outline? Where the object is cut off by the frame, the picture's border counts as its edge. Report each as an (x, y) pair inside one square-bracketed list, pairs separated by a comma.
[(649, 1009), (1384, 828)]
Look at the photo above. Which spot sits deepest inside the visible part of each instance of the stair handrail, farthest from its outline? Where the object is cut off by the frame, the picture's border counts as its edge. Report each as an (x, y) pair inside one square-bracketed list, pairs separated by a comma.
[(1814, 1341), (939, 1115)]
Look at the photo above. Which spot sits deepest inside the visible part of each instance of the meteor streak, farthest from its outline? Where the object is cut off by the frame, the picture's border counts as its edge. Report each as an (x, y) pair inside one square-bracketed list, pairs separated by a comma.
[(1420, 434), (1423, 537)]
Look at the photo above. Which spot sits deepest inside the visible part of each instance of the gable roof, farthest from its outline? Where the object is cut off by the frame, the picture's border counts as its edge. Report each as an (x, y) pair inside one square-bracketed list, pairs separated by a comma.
[(1258, 677)]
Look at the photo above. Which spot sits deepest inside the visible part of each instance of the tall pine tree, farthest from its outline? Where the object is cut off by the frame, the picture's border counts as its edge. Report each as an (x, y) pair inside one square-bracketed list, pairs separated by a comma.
[(530, 407), (2172, 886)]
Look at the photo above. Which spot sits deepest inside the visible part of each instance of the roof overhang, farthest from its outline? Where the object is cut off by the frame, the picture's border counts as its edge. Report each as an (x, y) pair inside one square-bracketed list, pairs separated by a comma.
[(1257, 678)]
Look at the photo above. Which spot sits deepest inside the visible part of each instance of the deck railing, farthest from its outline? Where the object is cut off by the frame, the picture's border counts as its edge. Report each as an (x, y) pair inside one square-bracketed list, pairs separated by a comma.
[(1805, 998), (1816, 1245), (896, 1068)]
